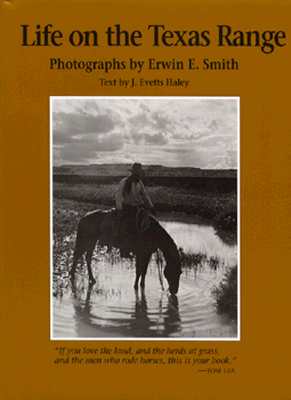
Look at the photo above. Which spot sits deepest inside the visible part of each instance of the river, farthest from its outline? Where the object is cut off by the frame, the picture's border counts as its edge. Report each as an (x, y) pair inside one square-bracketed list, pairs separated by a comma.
[(113, 309)]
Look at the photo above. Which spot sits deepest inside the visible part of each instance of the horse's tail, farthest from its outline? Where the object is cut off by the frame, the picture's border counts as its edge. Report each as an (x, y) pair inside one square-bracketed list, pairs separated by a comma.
[(80, 244), (88, 232)]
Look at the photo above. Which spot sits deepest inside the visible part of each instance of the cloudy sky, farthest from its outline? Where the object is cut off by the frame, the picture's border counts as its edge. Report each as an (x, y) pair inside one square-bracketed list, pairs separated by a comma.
[(175, 132)]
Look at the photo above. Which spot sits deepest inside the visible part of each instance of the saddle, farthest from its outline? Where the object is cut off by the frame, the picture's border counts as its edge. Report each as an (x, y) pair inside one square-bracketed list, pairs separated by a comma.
[(128, 225)]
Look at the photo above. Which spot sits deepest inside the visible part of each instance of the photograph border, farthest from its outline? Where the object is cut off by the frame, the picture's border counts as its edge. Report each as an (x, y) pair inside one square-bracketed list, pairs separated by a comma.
[(145, 339)]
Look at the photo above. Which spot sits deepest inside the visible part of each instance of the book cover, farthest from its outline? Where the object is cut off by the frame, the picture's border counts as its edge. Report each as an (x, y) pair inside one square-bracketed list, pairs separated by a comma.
[(145, 204)]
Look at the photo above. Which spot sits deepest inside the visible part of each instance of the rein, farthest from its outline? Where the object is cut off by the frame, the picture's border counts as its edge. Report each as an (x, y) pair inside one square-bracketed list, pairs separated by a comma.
[(159, 260)]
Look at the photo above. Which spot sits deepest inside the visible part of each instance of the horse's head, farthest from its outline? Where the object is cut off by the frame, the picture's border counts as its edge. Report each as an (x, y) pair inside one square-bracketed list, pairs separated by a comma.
[(172, 273)]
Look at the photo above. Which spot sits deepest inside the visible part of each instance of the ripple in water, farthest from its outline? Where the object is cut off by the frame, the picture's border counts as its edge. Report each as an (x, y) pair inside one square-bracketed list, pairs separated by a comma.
[(112, 308)]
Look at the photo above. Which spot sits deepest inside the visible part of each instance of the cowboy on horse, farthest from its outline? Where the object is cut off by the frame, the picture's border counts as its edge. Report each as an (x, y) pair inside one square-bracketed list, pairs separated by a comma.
[(132, 229), (133, 204), (131, 192)]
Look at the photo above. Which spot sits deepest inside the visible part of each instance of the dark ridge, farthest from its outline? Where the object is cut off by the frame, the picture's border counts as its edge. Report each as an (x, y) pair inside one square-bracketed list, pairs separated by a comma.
[(151, 171), (204, 184)]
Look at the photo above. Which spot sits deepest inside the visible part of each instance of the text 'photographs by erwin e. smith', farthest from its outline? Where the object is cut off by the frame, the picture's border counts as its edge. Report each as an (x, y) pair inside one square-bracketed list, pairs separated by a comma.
[(145, 218)]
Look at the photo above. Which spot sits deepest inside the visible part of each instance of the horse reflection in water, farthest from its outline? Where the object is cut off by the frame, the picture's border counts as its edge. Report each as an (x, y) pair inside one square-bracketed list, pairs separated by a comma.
[(172, 320), (140, 323), (168, 321)]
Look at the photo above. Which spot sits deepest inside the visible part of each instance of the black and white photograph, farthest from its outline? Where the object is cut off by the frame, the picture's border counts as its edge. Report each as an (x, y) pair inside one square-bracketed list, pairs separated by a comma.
[(145, 215)]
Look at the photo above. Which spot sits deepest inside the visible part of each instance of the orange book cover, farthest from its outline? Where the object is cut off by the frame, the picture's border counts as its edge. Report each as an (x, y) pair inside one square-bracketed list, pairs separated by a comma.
[(145, 205)]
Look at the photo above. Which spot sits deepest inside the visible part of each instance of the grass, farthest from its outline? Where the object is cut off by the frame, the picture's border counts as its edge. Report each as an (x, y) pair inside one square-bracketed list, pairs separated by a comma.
[(198, 261), (191, 260), (225, 293), (220, 209)]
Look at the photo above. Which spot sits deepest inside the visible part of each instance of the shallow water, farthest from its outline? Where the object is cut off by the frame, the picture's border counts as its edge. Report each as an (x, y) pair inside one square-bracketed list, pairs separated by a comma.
[(112, 308)]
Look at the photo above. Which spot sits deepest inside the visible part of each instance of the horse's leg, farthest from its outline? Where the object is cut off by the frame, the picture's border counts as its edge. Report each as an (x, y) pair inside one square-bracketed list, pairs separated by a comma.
[(141, 265), (77, 255), (80, 248), (138, 270), (144, 268), (89, 254)]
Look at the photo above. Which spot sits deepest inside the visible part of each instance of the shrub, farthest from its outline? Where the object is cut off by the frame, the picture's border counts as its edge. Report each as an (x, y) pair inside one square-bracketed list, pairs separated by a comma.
[(226, 293), (226, 217)]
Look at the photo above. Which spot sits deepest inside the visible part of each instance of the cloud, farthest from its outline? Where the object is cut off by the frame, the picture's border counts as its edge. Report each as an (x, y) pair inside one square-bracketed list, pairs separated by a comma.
[(156, 138), (76, 153), (66, 126), (161, 121), (112, 142), (211, 140), (88, 150), (213, 125), (198, 132), (140, 120)]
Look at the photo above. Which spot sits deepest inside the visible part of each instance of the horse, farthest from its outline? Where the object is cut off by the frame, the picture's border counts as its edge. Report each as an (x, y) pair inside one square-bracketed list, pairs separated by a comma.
[(98, 226)]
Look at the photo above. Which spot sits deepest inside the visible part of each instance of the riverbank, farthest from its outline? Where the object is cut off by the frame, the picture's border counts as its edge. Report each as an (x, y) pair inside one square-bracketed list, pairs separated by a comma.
[(215, 208)]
